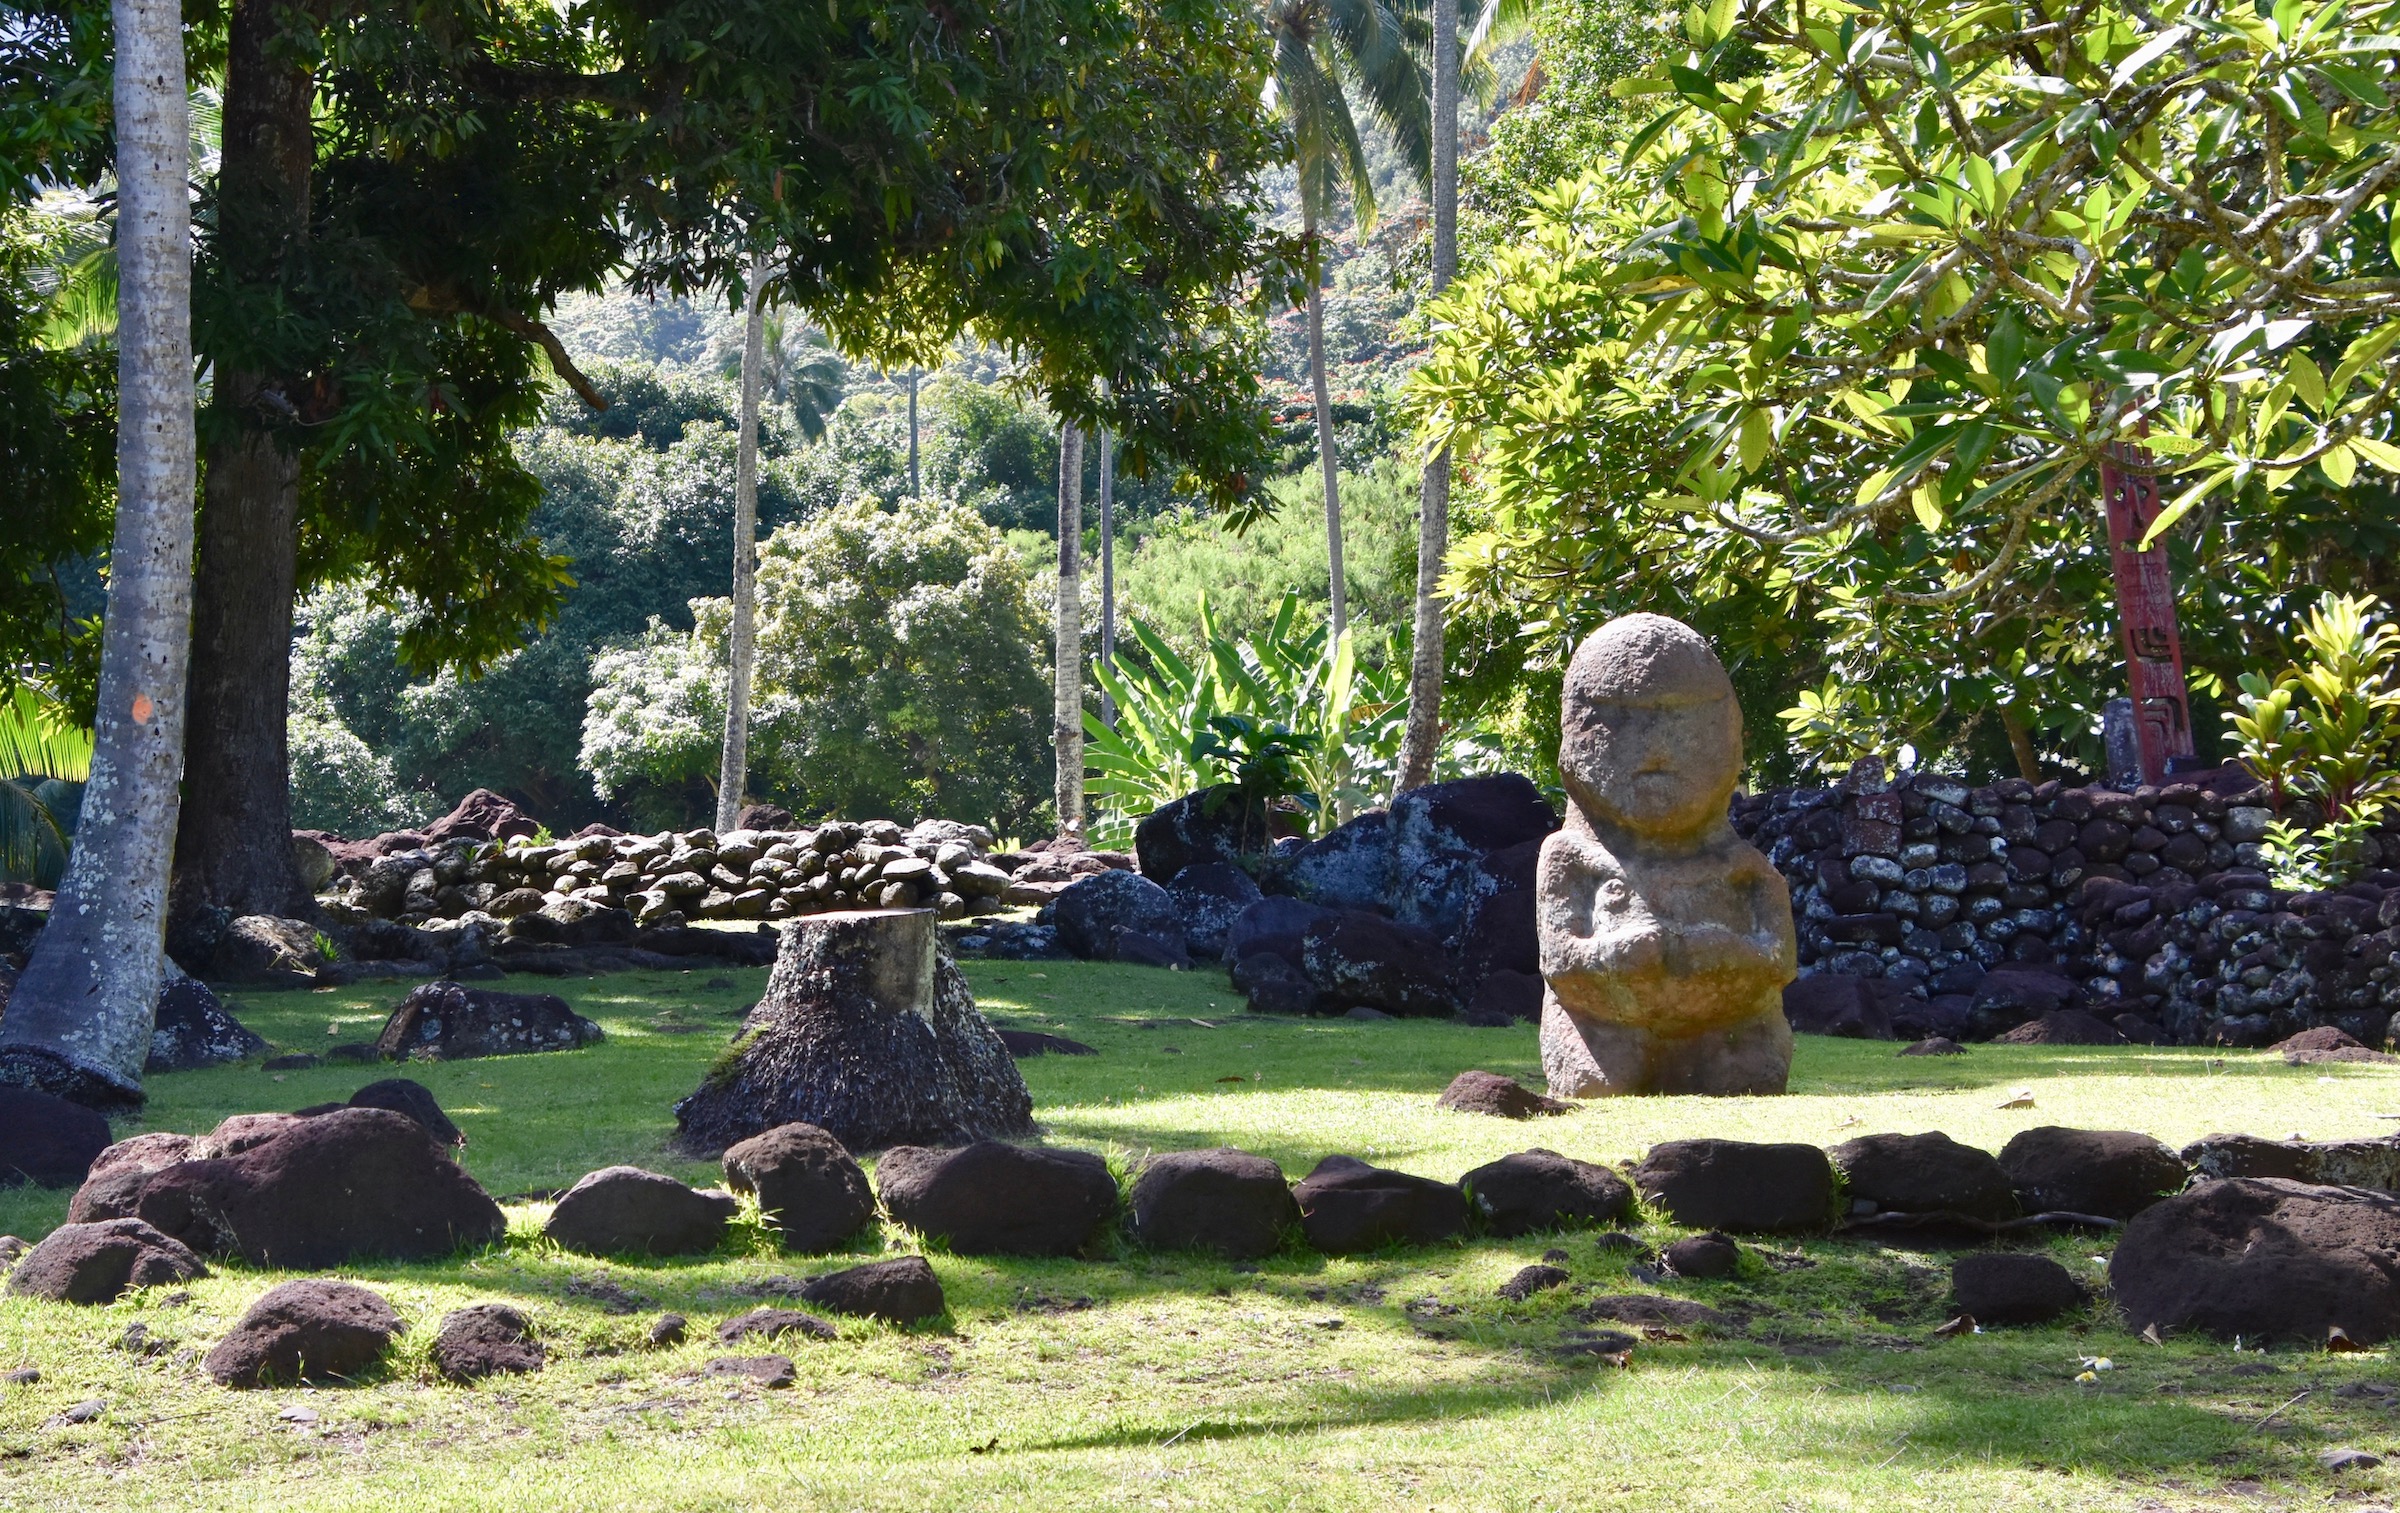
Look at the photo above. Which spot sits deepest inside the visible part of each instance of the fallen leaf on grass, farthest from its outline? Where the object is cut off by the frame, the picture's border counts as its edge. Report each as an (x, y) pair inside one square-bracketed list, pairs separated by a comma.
[(2338, 1342), (986, 1448), (2021, 1098), (1232, 1079), (1963, 1324)]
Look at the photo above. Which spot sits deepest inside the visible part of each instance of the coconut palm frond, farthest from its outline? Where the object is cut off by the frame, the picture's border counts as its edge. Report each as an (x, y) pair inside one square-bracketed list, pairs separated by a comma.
[(1382, 46), (39, 740), (82, 311), (44, 758), (1495, 22), (1324, 136), (812, 387)]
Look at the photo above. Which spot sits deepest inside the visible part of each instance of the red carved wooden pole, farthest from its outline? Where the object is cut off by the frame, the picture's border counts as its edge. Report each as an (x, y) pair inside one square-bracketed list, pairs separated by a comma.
[(2162, 706)]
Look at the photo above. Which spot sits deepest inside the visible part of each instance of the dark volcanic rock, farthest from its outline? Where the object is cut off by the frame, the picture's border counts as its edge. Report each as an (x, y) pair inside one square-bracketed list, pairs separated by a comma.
[(1212, 825), (808, 1185), (1923, 1174), (899, 1291), (765, 1370), (192, 1029), (1535, 1190), (1348, 867), (302, 1330), (1357, 959), (1347, 1206), (1024, 1043), (1274, 924), (1099, 918), (1273, 985), (1530, 1280), (1209, 897), (403, 1095), (143, 1153), (1227, 1201), (443, 1021), (47, 1141), (2014, 992), (1738, 1186), (2064, 1027), (111, 1194), (323, 1191), (1501, 1097), (2111, 1174), (1443, 837), (625, 1210), (773, 1324), (2326, 1044), (765, 817), (1703, 1258), (1854, 1008), (482, 816), (1506, 997), (1934, 1045), (2263, 1258), (992, 1198), (97, 1262), (2372, 1162), (483, 1340), (2004, 1287), (236, 1133), (869, 1031)]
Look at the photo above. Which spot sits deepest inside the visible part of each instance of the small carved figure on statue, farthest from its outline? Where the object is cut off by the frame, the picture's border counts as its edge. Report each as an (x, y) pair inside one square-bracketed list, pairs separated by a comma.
[(1666, 939)]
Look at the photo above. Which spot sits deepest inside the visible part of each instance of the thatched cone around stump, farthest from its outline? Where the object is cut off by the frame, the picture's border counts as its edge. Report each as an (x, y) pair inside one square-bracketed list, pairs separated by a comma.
[(868, 1030)]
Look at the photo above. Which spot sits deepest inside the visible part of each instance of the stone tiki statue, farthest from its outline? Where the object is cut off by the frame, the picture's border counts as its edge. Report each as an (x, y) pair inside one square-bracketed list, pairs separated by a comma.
[(1666, 939)]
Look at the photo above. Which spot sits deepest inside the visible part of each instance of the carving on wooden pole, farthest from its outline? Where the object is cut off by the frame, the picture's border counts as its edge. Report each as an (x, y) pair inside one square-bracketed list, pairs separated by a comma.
[(2162, 704)]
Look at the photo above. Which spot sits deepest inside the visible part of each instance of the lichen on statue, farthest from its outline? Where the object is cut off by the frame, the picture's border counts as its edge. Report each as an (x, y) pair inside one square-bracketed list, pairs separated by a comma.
[(1666, 939)]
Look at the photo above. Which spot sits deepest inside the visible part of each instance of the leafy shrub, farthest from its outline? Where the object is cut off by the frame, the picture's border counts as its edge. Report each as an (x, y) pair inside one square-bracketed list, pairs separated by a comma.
[(1280, 709), (2323, 732), (899, 675)]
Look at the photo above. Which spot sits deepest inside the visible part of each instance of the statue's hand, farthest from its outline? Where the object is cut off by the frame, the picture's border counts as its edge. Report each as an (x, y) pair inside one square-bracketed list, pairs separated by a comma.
[(1707, 947)]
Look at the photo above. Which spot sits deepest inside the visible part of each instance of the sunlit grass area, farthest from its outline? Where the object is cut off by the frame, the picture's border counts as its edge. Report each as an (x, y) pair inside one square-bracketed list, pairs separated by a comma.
[(1132, 1380)]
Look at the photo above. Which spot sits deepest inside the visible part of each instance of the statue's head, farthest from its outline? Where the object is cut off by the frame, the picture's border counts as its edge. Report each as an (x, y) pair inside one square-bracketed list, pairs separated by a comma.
[(1650, 734)]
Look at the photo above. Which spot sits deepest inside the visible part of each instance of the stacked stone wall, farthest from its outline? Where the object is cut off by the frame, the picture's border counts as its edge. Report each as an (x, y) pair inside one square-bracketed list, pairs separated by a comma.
[(2154, 904)]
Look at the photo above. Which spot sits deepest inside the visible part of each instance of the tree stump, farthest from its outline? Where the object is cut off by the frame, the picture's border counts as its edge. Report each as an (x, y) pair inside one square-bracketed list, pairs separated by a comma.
[(868, 1029)]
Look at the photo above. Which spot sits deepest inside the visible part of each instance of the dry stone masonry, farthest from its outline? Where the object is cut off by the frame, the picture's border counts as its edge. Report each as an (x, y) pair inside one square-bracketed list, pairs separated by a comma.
[(673, 878), (1980, 911)]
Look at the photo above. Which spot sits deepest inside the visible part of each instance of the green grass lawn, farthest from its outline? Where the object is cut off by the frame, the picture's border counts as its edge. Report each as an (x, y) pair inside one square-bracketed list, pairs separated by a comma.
[(1140, 1381)]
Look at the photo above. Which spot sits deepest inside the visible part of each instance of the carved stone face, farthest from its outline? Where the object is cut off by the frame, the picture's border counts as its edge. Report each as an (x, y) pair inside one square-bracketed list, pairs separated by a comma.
[(1651, 736)]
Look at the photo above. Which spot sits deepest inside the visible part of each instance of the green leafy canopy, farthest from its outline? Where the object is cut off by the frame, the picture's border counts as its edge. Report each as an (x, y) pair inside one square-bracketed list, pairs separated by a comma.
[(1880, 283)]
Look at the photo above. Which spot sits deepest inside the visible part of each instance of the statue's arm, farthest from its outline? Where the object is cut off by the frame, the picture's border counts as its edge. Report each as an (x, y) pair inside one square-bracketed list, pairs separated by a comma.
[(1592, 925)]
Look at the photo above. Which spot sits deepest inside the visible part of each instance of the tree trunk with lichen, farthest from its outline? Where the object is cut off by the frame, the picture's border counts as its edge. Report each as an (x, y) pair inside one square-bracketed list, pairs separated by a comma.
[(867, 1030), (1067, 675), (78, 1022)]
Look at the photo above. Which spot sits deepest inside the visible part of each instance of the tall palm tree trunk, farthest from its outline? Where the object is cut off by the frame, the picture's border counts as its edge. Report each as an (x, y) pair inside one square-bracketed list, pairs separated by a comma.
[(1326, 468), (1067, 684), (79, 1020), (1108, 571), (915, 490), (1422, 738), (733, 775)]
